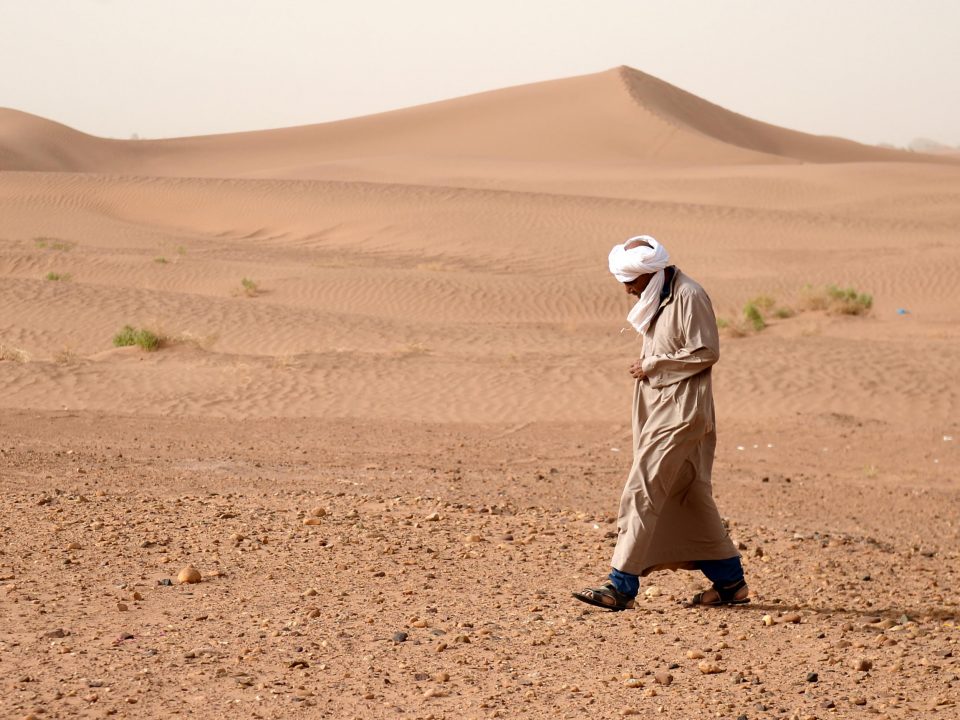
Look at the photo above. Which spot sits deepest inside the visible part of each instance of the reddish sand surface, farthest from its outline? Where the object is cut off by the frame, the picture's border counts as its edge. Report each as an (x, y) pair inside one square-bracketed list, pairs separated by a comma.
[(389, 420)]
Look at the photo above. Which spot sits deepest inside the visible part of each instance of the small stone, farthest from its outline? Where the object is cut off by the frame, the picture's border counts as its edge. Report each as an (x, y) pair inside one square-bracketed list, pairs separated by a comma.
[(767, 620), (860, 701), (122, 607), (137, 596), (166, 582), (400, 636), (862, 664), (629, 711), (650, 692), (473, 538), (792, 618), (58, 633), (189, 574), (440, 647), (432, 517), (653, 591), (441, 677), (318, 512), (828, 704), (314, 613), (710, 668), (663, 677), (313, 521), (74, 546), (694, 654), (812, 677), (633, 683)]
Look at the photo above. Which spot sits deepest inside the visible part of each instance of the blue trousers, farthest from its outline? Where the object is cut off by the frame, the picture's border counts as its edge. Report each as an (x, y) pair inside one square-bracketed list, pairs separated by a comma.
[(719, 572)]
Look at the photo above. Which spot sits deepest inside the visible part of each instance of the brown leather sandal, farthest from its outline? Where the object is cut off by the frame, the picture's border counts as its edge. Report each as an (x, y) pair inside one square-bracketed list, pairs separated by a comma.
[(606, 596), (736, 594)]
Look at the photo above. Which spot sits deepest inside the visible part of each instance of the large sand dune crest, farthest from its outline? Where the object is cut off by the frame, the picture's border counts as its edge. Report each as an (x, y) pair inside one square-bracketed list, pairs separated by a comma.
[(614, 117)]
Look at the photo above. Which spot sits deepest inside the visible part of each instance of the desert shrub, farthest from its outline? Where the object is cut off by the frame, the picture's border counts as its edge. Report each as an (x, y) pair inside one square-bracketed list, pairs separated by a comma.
[(140, 337), (763, 303), (55, 276), (836, 300), (52, 243), (753, 317), (160, 260), (783, 313), (847, 301), (250, 287)]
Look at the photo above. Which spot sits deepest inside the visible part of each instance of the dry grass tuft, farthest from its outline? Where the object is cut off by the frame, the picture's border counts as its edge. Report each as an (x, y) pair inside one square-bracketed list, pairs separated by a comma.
[(66, 356), (13, 354), (413, 349)]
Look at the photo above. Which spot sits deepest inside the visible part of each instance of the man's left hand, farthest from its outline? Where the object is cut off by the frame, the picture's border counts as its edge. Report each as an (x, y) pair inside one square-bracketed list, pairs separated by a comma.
[(636, 370)]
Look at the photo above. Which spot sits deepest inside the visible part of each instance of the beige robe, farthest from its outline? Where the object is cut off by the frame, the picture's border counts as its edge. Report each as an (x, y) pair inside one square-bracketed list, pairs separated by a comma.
[(668, 518)]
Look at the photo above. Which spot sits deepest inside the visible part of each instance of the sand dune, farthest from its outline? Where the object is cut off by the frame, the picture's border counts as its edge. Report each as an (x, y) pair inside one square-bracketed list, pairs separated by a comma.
[(614, 117), (456, 250)]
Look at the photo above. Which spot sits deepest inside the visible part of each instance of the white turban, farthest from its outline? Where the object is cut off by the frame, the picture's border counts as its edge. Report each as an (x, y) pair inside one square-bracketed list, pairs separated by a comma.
[(633, 259)]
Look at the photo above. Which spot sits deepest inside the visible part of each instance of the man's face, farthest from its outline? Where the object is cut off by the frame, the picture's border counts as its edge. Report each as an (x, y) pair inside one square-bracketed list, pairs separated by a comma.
[(636, 287)]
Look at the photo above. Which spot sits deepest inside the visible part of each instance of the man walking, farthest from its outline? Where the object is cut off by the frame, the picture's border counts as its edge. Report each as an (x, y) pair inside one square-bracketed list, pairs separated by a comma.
[(668, 519)]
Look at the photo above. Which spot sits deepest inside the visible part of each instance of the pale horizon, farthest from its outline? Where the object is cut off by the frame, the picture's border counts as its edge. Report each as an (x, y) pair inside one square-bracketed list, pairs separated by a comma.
[(871, 72)]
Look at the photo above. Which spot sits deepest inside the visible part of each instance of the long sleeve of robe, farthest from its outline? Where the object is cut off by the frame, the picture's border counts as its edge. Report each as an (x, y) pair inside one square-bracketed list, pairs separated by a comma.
[(668, 518)]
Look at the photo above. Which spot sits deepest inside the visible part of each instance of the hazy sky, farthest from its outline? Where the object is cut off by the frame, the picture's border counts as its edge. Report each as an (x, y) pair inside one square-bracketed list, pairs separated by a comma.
[(872, 70)]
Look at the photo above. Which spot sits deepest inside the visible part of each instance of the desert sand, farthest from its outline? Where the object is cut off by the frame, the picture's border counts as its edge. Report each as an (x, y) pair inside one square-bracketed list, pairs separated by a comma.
[(389, 422)]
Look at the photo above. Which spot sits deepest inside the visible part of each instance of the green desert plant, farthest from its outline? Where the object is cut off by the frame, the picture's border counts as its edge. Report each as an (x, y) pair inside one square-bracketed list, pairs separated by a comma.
[(140, 337), (753, 317), (55, 276), (763, 303), (847, 301), (250, 287), (836, 300), (161, 260), (52, 243), (783, 313)]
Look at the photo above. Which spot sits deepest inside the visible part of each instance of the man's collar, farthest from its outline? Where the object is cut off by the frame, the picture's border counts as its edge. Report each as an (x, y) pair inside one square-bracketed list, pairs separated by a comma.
[(669, 280)]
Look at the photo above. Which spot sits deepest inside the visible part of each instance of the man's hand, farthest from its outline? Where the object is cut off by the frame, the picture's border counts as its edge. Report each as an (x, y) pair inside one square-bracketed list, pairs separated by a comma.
[(636, 370)]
